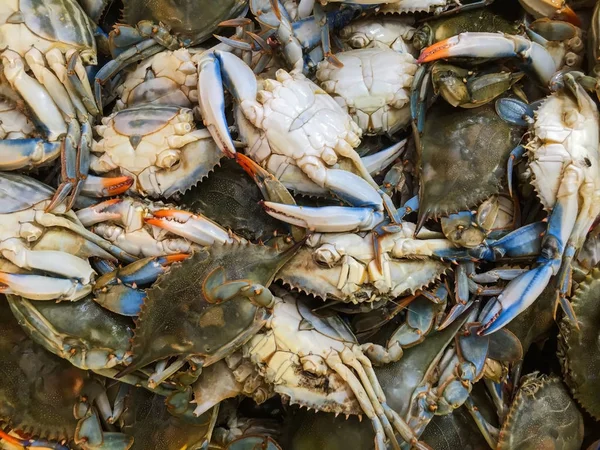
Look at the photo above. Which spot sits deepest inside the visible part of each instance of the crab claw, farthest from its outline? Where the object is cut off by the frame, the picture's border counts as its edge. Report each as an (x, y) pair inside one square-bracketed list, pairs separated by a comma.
[(105, 187), (117, 291), (38, 287), (334, 219), (194, 227), (101, 212), (493, 45), (568, 15), (22, 153), (518, 295), (239, 80)]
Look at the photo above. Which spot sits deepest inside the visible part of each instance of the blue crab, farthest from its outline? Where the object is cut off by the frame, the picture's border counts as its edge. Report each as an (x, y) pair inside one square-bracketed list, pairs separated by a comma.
[(290, 124), (577, 347), (53, 41), (151, 27), (47, 398), (320, 366), (44, 254), (158, 146), (563, 159)]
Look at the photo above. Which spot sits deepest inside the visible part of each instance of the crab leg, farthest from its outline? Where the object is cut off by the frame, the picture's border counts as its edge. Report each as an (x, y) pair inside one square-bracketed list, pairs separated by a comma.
[(30, 443), (342, 370), (57, 262), (37, 287), (34, 95), (376, 162), (521, 292), (349, 359), (494, 45), (194, 227), (61, 343), (326, 219)]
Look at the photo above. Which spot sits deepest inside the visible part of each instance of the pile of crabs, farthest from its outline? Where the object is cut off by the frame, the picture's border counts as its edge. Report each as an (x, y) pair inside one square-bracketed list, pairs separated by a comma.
[(248, 224)]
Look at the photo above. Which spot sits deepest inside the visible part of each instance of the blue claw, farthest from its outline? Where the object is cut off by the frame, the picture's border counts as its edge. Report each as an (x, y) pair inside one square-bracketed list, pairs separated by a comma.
[(516, 154), (514, 111), (26, 153), (518, 295), (118, 291)]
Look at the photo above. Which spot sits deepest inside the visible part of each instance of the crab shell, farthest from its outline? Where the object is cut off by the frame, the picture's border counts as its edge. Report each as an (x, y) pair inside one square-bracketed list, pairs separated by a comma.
[(578, 349), (380, 32), (373, 85), (194, 19), (565, 131), (158, 146), (463, 157), (542, 412), (47, 24), (298, 341), (38, 390), (168, 78), (415, 6)]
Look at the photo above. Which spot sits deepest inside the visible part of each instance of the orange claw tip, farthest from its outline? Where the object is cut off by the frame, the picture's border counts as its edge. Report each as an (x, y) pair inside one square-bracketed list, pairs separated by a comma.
[(568, 15), (178, 257), (171, 213), (117, 185), (10, 439), (434, 52), (247, 164)]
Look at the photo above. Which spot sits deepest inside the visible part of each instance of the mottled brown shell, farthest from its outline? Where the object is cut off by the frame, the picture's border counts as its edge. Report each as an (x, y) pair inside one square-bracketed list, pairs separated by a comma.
[(579, 350)]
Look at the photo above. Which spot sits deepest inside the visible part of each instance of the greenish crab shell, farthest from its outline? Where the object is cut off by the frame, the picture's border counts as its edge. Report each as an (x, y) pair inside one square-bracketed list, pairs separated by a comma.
[(578, 349), (463, 155), (543, 413), (38, 389), (47, 24), (192, 19)]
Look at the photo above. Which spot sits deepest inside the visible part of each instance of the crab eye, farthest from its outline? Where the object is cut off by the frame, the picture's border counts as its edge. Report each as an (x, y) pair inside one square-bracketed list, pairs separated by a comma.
[(359, 40)]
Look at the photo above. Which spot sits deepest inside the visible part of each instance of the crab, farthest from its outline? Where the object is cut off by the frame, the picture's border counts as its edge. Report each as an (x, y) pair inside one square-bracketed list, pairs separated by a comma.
[(151, 27), (41, 393), (156, 145), (138, 227), (545, 48), (542, 406), (152, 424), (290, 124), (373, 86), (577, 347), (320, 366), (44, 254), (563, 158), (344, 266), (217, 291), (52, 40)]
